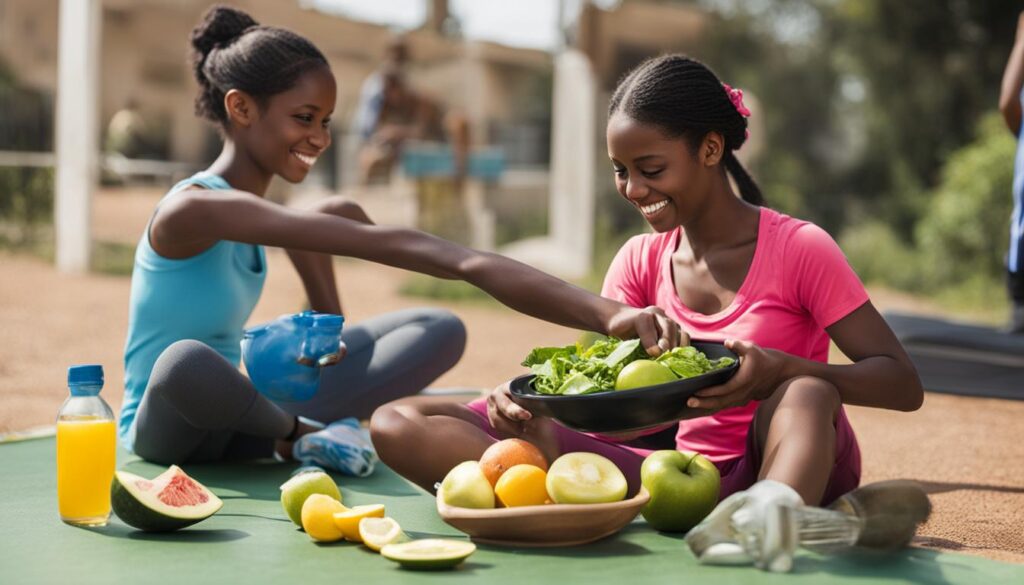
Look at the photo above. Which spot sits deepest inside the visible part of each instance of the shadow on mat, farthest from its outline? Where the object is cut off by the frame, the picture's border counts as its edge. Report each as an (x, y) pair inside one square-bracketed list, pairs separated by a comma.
[(915, 564), (611, 546), (188, 535), (940, 487)]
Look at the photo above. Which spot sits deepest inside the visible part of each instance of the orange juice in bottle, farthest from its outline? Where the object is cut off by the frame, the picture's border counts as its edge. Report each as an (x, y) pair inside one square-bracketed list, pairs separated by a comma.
[(86, 447)]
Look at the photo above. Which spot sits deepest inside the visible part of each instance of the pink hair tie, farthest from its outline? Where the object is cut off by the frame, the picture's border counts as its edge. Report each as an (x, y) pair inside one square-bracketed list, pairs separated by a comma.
[(736, 97)]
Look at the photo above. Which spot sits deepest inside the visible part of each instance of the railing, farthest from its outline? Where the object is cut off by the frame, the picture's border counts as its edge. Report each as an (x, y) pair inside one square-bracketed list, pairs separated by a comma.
[(110, 163)]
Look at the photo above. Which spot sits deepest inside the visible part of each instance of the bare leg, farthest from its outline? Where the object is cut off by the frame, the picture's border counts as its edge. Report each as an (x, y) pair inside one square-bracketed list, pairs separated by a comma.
[(796, 434), (423, 437)]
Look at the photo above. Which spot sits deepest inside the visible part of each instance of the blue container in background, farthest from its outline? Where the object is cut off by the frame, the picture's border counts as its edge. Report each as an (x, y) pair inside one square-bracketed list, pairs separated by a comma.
[(423, 160), (281, 356)]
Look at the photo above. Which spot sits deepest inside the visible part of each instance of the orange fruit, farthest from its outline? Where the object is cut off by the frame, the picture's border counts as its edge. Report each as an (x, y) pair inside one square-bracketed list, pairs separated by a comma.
[(503, 455), (522, 485)]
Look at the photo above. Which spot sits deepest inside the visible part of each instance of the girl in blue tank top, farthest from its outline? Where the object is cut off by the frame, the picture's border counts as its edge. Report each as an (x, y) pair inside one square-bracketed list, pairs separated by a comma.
[(200, 268)]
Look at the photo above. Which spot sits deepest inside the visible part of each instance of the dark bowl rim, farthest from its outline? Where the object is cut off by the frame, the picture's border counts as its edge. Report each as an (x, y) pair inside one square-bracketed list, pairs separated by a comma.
[(621, 394)]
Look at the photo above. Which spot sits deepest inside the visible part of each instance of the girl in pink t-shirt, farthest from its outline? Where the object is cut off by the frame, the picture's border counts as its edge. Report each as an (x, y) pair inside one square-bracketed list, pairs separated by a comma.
[(773, 288)]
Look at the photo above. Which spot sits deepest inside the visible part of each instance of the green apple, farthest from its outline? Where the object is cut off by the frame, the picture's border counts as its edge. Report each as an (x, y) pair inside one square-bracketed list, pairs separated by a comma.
[(295, 491), (588, 338), (683, 487), (585, 478), (643, 373), (466, 486)]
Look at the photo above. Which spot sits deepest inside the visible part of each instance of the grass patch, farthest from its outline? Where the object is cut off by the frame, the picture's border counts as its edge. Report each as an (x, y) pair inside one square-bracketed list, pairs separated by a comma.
[(428, 287), (114, 258)]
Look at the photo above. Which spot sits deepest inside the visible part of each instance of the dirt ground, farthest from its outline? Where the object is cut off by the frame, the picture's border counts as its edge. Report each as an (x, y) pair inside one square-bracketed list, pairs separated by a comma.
[(967, 452)]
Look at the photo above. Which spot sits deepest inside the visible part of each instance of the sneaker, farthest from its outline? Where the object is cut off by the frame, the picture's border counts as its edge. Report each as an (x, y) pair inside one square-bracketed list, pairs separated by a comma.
[(343, 446)]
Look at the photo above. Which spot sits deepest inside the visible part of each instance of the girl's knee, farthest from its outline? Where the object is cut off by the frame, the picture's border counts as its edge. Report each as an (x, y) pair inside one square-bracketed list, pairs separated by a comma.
[(178, 363), (391, 427), (447, 331), (810, 393)]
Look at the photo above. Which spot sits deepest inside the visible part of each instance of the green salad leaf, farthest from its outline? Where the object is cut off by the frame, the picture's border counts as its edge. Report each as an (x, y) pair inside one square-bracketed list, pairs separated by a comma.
[(574, 369)]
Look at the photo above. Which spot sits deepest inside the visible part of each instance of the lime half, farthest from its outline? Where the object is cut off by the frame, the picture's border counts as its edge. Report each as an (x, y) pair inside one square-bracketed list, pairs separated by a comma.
[(429, 553)]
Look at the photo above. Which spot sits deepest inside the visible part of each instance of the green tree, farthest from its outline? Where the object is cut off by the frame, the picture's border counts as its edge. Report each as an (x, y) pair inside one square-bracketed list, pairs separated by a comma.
[(966, 230), (930, 69)]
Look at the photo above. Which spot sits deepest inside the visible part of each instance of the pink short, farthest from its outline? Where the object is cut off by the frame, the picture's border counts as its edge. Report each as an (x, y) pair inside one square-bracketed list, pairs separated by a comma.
[(738, 473)]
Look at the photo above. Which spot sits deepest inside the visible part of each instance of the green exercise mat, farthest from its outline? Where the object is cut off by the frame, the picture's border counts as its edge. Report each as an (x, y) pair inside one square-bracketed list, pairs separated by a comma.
[(251, 541)]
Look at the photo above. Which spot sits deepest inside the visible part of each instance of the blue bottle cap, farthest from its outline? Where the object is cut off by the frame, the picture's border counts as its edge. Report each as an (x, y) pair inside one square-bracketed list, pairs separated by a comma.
[(85, 380), (328, 320)]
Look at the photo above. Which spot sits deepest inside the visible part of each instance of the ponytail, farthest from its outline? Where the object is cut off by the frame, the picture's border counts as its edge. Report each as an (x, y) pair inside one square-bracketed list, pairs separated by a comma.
[(749, 190)]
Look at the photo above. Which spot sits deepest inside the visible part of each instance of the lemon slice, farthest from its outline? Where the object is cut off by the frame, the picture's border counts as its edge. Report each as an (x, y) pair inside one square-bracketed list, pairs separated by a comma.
[(348, 521), (377, 532), (429, 553)]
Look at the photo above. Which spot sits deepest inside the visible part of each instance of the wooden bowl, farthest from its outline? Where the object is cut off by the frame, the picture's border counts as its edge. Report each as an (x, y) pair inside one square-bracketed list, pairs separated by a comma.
[(548, 525)]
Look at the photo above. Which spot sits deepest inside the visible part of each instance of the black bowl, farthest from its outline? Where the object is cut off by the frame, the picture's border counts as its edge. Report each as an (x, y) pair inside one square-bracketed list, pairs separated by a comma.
[(625, 410)]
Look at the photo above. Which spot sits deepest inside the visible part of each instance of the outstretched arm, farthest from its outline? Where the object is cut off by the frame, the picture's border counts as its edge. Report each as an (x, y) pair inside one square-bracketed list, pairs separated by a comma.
[(1013, 81), (198, 218)]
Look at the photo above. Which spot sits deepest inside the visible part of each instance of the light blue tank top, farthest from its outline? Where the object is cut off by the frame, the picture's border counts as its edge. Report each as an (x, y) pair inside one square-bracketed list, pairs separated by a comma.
[(207, 297)]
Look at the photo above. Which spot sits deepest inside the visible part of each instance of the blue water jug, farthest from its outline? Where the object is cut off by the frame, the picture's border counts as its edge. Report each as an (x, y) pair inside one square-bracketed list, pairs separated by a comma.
[(281, 356)]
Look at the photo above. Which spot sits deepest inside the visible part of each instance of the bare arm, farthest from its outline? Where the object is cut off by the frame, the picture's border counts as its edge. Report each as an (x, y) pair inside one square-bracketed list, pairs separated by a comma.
[(1013, 81), (881, 376), (317, 270), (197, 219)]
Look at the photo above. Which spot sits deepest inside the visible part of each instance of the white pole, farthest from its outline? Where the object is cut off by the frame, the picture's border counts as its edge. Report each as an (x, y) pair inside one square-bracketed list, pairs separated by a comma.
[(76, 140), (571, 201)]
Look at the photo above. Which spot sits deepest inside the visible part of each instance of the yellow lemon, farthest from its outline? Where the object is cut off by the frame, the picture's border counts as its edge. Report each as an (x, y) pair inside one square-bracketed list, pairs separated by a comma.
[(522, 485), (348, 520), (318, 517), (377, 532)]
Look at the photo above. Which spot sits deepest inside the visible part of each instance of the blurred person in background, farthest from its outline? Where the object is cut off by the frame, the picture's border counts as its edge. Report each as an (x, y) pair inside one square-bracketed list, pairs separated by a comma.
[(391, 112), (1010, 104)]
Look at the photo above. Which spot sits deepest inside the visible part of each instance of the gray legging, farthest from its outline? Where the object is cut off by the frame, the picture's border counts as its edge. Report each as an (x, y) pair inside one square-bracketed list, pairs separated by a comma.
[(199, 407)]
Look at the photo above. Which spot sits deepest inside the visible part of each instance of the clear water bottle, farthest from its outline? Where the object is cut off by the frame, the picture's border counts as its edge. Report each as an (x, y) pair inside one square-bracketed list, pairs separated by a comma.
[(86, 450), (766, 524)]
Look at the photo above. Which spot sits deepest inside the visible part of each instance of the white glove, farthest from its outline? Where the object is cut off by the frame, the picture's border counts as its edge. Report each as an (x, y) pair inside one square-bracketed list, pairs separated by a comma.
[(755, 526)]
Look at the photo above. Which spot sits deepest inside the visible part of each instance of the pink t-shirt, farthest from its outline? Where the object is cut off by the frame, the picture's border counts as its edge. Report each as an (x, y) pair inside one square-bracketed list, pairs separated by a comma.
[(798, 284)]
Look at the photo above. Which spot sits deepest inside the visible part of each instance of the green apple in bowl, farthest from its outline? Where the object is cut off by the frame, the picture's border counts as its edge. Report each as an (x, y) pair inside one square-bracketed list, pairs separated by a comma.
[(588, 338), (466, 486), (683, 486), (642, 373)]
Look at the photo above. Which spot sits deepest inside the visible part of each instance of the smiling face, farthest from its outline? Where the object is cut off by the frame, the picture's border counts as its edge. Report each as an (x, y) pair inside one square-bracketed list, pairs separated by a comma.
[(661, 176), (286, 134)]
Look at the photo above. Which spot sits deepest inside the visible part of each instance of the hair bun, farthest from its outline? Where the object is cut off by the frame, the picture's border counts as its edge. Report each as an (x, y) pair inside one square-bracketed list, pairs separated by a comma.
[(221, 25)]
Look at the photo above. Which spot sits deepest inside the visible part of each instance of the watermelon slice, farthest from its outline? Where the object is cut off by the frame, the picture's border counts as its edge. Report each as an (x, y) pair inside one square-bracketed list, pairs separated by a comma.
[(170, 501)]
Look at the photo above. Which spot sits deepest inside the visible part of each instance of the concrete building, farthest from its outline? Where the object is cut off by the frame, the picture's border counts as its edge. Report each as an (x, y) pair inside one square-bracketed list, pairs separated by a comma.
[(144, 59), (506, 92)]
